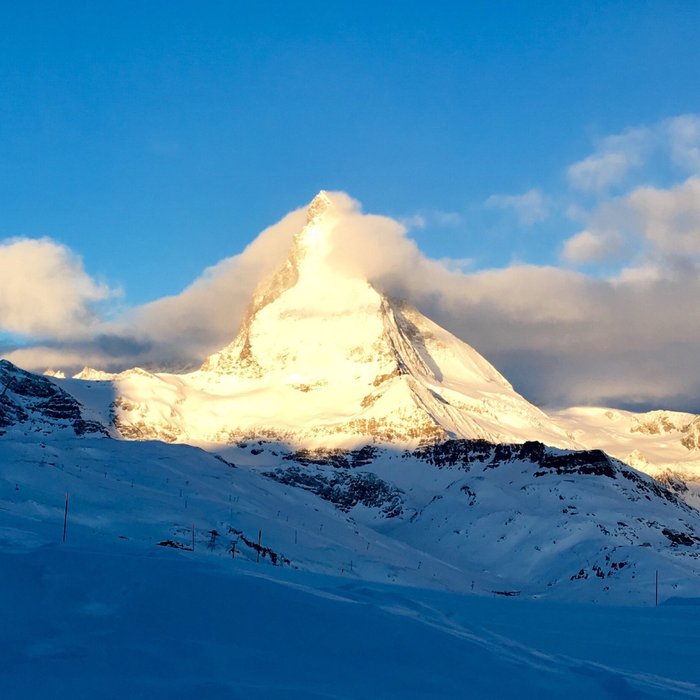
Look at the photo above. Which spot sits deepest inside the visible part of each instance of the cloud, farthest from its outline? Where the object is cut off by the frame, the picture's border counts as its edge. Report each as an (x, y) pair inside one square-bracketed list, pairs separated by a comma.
[(54, 306), (456, 264), (45, 291), (614, 157), (414, 221), (669, 219), (683, 137), (661, 225), (530, 207), (561, 336), (184, 328), (428, 218), (447, 219), (675, 140), (564, 338), (590, 247)]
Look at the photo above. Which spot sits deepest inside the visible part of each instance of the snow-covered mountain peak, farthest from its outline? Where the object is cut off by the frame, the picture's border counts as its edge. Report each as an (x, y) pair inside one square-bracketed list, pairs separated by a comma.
[(319, 205), (91, 374), (325, 358), (57, 373), (312, 247), (308, 264)]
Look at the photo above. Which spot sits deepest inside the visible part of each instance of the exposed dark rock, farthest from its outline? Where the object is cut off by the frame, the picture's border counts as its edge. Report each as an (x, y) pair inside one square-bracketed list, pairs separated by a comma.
[(174, 545), (680, 537), (672, 481), (25, 396), (344, 489), (648, 485), (470, 493), (452, 453), (465, 454), (585, 462), (341, 459)]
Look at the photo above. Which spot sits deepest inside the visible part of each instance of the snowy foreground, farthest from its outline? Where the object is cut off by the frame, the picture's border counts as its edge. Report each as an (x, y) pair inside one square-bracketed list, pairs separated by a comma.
[(90, 621), (350, 610)]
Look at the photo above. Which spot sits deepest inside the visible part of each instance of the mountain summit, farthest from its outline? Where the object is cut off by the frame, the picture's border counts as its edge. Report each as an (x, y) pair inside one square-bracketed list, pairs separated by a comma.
[(323, 357)]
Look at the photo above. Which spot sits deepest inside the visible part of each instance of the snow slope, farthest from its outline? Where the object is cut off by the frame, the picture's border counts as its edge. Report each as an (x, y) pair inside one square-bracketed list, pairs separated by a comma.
[(665, 444), (349, 598), (460, 515), (114, 623)]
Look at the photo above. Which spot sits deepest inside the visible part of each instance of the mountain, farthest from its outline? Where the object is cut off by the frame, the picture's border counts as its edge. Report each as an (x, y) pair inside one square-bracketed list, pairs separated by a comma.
[(323, 358), (363, 440)]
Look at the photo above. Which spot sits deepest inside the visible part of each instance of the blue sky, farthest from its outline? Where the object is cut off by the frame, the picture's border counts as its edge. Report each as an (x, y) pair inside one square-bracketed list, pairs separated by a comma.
[(155, 138), (549, 152)]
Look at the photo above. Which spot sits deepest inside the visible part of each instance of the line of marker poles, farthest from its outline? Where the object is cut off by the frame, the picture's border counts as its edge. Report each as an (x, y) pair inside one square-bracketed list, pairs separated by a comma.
[(233, 548)]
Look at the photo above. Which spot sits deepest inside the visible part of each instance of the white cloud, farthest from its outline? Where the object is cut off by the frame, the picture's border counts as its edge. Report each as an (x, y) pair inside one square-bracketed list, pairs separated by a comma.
[(612, 160), (447, 219), (669, 219), (589, 247), (566, 338), (457, 264), (659, 225), (683, 137), (44, 290), (206, 315), (599, 171), (675, 141), (530, 207), (428, 218), (54, 302), (415, 221)]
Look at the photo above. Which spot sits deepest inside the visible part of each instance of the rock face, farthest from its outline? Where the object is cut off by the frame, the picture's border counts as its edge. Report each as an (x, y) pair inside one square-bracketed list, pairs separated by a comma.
[(324, 358), (30, 403)]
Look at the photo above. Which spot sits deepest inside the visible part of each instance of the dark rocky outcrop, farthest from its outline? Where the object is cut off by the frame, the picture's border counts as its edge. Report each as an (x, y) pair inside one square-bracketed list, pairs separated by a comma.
[(31, 399), (344, 489)]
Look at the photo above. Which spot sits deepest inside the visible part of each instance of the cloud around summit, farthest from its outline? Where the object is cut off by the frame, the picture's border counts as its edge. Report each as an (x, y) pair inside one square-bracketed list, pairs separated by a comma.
[(563, 336)]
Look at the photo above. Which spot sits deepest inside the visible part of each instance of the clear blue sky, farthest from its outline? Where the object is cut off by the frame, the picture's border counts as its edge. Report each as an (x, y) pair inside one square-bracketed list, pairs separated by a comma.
[(155, 138)]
